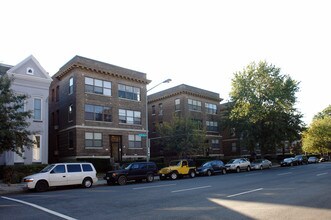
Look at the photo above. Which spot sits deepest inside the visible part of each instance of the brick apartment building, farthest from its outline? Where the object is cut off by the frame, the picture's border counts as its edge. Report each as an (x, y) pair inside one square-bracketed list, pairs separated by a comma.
[(97, 110), (197, 104)]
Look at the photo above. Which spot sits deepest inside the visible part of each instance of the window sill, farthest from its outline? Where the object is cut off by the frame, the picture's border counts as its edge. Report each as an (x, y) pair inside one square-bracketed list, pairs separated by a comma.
[(135, 148), (94, 148), (38, 121)]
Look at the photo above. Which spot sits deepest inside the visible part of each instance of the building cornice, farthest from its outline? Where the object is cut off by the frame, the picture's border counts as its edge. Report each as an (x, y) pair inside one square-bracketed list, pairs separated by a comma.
[(101, 68), (166, 94)]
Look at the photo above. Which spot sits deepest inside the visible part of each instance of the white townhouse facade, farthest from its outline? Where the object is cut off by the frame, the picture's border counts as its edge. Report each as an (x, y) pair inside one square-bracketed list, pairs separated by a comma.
[(30, 78)]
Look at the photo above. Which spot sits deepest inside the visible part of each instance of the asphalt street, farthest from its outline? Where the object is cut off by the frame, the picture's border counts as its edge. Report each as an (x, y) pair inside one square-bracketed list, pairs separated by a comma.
[(300, 192)]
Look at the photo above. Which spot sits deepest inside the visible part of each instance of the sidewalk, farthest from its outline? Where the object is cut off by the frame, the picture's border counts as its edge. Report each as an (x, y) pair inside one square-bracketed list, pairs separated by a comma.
[(18, 188)]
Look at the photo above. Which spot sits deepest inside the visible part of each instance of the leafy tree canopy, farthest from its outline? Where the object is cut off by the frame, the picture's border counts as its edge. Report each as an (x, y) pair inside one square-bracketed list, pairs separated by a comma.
[(263, 106), (183, 136), (324, 113), (317, 139), (13, 119)]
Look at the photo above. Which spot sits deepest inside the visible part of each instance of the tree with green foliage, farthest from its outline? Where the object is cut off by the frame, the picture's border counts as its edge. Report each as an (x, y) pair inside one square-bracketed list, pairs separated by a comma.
[(317, 138), (325, 113), (263, 107), (182, 136), (13, 120)]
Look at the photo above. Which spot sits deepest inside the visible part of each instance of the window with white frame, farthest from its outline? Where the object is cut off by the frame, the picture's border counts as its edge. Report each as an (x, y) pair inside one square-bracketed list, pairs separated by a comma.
[(71, 85), (177, 104), (128, 92), (210, 108), (129, 116), (70, 113), (194, 105), (212, 125), (37, 109), (97, 86), (160, 109), (98, 113), (134, 141), (36, 150), (93, 140)]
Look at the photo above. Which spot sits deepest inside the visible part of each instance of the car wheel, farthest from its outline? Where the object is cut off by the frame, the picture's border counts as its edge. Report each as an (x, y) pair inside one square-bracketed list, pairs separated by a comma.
[(150, 178), (248, 168), (209, 173), (270, 166), (223, 171), (291, 164), (41, 186), (238, 169), (121, 180), (191, 174), (261, 167), (173, 175), (87, 182)]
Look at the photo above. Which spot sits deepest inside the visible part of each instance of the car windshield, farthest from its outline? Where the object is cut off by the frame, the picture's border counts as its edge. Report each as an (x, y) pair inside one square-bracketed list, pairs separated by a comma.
[(127, 166), (48, 168), (207, 164), (174, 163), (234, 161), (288, 159)]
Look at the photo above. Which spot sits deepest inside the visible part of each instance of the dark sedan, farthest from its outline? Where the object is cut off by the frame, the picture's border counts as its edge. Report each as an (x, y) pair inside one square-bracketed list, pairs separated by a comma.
[(291, 161), (211, 167)]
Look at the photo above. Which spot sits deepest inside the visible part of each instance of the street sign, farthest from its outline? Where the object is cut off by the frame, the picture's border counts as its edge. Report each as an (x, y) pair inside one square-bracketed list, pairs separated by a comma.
[(142, 135)]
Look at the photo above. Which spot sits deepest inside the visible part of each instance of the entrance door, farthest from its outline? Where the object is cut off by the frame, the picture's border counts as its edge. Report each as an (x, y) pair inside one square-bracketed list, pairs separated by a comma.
[(116, 148)]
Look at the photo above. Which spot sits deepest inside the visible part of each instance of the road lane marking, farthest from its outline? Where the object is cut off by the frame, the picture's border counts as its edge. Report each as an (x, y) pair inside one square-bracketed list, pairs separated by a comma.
[(321, 174), (148, 187), (242, 193), (39, 207), (189, 189), (281, 174), (253, 174)]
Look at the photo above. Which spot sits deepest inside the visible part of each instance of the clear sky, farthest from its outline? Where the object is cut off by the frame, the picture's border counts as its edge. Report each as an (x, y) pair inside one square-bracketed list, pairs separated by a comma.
[(199, 43)]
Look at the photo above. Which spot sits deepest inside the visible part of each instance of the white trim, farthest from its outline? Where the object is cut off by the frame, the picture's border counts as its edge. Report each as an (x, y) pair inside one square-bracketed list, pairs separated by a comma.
[(33, 59), (35, 149)]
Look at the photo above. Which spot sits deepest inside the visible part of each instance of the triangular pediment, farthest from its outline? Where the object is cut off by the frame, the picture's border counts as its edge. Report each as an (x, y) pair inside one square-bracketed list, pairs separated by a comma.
[(29, 68)]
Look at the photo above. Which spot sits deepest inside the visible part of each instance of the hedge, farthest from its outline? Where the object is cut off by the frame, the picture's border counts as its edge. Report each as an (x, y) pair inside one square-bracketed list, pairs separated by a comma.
[(15, 173)]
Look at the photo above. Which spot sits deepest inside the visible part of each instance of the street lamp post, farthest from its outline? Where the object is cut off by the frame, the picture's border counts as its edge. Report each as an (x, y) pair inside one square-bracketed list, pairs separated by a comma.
[(148, 147)]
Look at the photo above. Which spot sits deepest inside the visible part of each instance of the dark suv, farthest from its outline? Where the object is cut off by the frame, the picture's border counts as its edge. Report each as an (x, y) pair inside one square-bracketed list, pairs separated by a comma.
[(302, 159), (137, 171)]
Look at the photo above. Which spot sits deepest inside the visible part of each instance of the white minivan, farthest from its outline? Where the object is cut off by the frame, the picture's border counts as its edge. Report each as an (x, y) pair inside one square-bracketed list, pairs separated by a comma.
[(62, 174)]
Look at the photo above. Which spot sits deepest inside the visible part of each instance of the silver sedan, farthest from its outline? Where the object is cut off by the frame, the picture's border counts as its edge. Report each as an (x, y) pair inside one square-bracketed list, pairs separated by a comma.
[(261, 164)]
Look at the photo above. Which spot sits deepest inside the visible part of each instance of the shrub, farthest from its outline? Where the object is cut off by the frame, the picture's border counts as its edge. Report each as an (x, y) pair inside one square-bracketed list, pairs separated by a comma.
[(15, 173)]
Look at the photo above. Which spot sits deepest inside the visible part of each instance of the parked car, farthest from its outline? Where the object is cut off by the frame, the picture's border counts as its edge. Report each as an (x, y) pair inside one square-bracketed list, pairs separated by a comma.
[(178, 168), (62, 174), (261, 164), (211, 167), (323, 159), (302, 159), (312, 160), (290, 161), (137, 171), (238, 165)]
